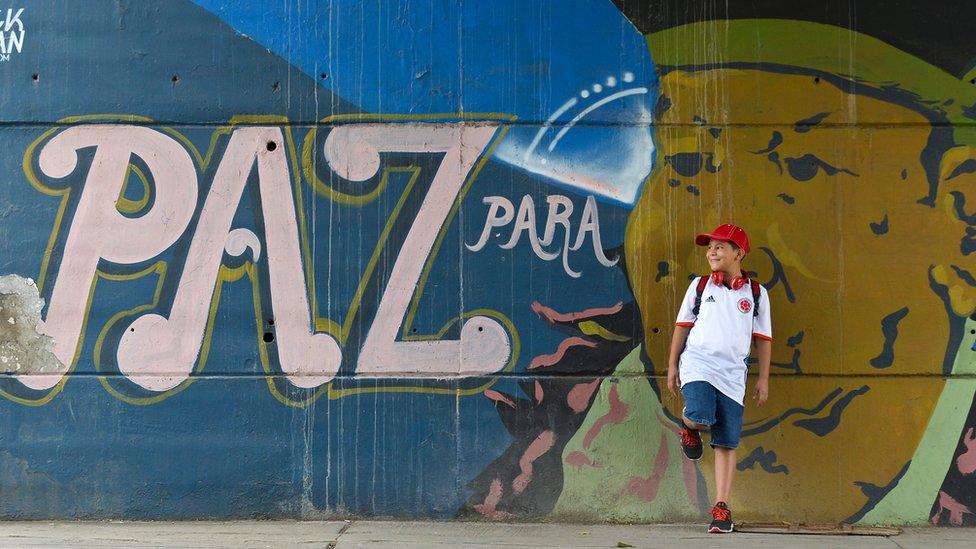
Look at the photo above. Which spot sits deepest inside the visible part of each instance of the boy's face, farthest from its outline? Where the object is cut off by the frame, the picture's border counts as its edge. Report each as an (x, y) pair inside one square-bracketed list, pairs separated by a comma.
[(723, 256)]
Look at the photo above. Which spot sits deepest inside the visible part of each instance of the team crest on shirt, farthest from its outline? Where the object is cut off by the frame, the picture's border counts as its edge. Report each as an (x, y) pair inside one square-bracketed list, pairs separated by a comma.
[(745, 305)]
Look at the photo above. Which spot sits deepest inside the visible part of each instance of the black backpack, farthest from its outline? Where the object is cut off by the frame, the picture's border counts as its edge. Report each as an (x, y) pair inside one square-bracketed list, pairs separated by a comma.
[(700, 289)]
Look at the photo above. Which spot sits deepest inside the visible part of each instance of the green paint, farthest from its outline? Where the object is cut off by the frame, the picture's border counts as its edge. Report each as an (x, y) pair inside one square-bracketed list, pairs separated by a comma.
[(591, 328), (965, 363), (910, 502), (624, 450)]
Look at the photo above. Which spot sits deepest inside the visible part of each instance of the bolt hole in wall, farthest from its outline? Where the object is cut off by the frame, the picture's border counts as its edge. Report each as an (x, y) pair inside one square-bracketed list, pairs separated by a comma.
[(272, 145), (35, 77), (268, 337), (175, 79)]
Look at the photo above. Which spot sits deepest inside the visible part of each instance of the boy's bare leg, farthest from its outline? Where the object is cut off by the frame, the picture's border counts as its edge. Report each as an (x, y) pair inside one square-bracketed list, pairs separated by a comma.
[(692, 425), (724, 472)]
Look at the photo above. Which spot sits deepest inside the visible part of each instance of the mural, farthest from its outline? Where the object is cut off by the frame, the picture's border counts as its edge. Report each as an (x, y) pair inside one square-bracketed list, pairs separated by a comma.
[(323, 259)]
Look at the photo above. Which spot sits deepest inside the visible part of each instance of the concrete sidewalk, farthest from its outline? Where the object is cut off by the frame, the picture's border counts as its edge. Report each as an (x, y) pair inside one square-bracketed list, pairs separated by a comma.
[(378, 534)]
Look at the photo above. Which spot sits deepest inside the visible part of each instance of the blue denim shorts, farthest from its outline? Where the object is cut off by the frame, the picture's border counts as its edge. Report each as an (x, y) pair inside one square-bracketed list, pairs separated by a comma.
[(706, 405)]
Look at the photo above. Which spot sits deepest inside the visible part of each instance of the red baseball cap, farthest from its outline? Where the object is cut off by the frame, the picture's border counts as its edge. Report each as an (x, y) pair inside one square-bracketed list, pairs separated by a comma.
[(728, 233)]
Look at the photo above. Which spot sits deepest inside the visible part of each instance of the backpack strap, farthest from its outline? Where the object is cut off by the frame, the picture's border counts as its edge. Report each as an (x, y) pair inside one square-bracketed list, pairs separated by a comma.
[(699, 290), (755, 297)]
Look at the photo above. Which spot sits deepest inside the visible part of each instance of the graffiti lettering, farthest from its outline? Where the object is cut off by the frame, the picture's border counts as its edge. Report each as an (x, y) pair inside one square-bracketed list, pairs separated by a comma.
[(98, 231), (154, 344), (11, 40), (353, 152), (501, 212), (158, 352)]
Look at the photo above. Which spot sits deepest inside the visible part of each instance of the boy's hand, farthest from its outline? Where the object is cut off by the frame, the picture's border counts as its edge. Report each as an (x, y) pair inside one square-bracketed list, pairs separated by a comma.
[(674, 383), (762, 392)]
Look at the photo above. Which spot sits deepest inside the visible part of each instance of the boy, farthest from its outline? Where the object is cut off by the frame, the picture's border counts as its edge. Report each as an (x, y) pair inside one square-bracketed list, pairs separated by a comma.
[(719, 317)]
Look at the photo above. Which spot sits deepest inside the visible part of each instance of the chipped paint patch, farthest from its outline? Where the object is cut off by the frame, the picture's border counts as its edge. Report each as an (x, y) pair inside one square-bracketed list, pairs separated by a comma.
[(23, 350)]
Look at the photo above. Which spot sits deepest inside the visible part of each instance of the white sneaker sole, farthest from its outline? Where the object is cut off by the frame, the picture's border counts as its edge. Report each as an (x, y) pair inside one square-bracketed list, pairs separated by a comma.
[(717, 530)]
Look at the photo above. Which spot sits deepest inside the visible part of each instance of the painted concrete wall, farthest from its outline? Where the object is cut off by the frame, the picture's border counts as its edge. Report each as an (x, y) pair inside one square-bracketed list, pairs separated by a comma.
[(408, 259)]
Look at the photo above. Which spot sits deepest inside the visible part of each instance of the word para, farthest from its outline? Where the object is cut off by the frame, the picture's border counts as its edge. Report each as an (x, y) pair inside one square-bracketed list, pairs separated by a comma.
[(501, 212)]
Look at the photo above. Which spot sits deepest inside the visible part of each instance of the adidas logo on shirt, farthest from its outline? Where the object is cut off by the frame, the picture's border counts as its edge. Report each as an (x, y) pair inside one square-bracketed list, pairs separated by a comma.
[(711, 299)]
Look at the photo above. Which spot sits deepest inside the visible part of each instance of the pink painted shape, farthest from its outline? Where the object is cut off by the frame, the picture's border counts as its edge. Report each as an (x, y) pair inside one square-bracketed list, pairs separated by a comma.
[(967, 461), (689, 469), (579, 459), (539, 393), (956, 509), (616, 414), (498, 397), (689, 473), (579, 396), (646, 488), (565, 345), (668, 425), (488, 507), (552, 316), (542, 444)]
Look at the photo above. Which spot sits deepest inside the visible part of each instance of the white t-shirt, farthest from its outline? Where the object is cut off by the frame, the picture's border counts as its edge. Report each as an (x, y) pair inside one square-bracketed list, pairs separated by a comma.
[(721, 337)]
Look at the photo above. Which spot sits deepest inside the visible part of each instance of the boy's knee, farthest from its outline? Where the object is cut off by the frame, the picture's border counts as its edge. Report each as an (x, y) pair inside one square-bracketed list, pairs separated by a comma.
[(694, 425)]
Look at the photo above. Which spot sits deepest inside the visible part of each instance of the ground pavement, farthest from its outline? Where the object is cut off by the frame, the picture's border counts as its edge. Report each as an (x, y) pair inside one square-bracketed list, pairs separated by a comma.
[(438, 535)]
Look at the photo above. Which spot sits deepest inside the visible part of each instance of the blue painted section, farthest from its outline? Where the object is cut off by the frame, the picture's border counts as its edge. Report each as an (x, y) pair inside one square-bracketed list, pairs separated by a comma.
[(223, 446), (543, 62), (519, 58)]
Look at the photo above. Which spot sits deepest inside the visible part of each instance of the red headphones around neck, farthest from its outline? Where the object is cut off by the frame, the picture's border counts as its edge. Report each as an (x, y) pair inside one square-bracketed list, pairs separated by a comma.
[(737, 282)]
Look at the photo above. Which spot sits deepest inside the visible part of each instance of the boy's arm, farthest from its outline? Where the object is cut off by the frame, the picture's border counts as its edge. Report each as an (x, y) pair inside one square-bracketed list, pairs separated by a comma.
[(682, 325), (762, 333), (764, 350), (677, 345)]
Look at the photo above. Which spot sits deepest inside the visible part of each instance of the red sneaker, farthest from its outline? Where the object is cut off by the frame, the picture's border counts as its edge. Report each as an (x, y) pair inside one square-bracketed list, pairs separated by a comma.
[(691, 443), (721, 519)]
